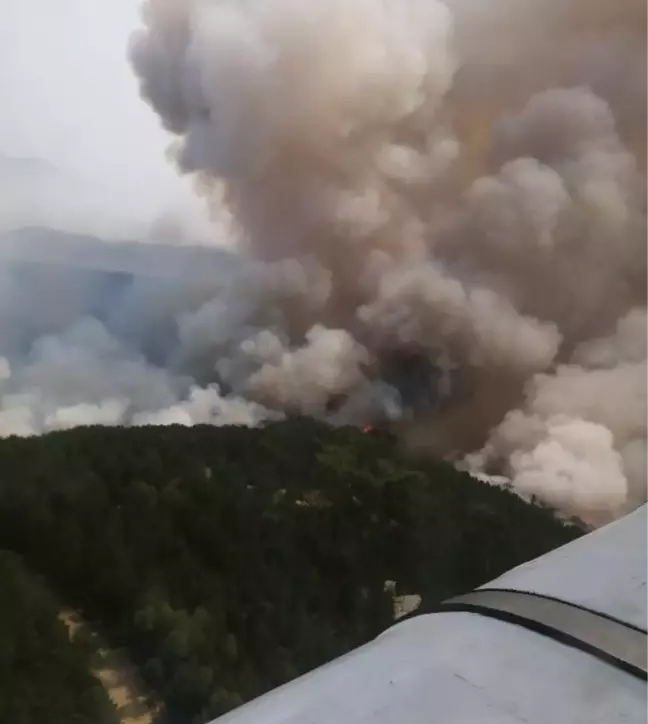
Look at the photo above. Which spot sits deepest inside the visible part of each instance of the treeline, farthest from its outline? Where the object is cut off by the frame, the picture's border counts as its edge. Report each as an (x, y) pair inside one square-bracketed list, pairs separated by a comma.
[(44, 677), (230, 560)]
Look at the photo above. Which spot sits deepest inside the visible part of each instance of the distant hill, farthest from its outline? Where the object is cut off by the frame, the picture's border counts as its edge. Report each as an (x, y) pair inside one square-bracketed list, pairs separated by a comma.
[(44, 246), (20, 168), (51, 280)]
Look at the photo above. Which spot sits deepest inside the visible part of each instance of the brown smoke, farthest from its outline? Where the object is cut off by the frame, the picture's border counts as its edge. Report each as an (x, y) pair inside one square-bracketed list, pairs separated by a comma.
[(463, 179)]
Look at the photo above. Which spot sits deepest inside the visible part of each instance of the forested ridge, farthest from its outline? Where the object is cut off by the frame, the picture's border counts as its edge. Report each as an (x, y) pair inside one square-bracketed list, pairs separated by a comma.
[(228, 560)]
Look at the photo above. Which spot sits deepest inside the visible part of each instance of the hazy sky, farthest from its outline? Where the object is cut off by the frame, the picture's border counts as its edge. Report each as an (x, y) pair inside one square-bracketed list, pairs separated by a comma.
[(70, 98)]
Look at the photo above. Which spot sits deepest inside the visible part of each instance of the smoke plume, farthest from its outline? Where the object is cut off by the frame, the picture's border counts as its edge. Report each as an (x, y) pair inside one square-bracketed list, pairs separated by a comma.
[(438, 217)]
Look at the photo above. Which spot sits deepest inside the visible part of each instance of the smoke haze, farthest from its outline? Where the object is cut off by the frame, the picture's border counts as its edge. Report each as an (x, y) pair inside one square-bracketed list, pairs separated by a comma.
[(430, 215)]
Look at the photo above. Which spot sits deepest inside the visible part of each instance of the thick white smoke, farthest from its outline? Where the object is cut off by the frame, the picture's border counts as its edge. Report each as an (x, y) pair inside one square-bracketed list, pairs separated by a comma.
[(440, 214)]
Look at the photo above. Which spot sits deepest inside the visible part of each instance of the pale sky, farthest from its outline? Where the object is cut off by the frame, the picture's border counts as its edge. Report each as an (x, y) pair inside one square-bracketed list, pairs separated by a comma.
[(70, 98)]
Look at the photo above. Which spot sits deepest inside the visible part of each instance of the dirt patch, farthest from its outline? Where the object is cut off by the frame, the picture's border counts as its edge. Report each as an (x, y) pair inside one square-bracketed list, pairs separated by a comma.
[(116, 673)]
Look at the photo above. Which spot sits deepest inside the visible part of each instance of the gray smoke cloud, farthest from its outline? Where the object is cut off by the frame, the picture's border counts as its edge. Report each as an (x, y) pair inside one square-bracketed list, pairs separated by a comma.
[(438, 222)]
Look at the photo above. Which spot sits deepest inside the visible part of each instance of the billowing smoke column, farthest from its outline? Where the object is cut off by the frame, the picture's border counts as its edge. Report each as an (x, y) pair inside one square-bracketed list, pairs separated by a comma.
[(330, 127), (440, 211)]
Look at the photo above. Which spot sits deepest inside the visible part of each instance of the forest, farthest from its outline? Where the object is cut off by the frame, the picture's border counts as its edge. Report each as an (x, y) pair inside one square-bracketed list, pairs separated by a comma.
[(44, 677), (227, 561)]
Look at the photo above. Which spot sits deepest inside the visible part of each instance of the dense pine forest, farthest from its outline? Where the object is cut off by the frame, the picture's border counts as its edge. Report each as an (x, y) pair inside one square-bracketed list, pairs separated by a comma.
[(227, 561), (44, 677)]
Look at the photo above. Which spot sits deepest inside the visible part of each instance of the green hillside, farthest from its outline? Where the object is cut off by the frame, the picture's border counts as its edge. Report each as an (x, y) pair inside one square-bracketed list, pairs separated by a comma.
[(228, 560)]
